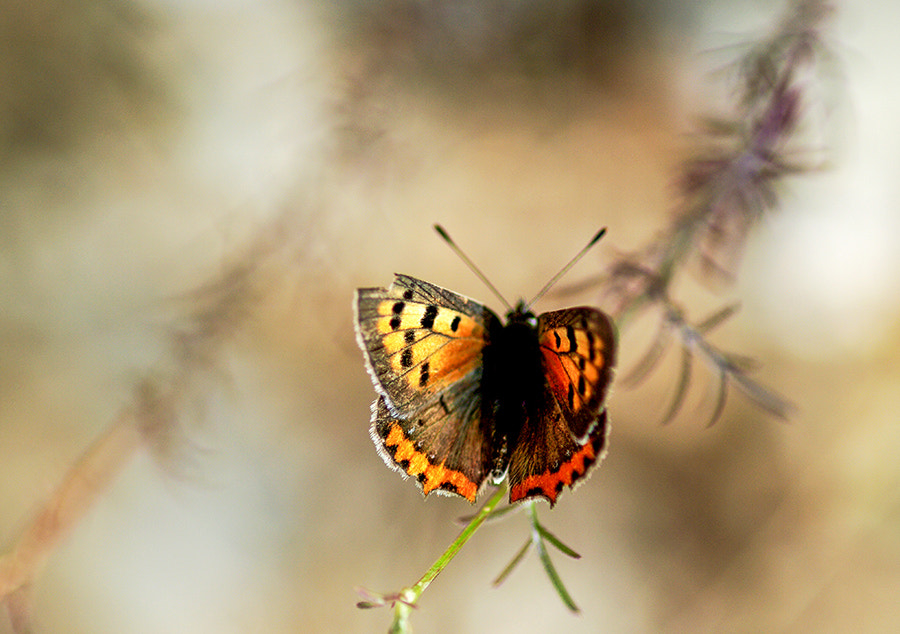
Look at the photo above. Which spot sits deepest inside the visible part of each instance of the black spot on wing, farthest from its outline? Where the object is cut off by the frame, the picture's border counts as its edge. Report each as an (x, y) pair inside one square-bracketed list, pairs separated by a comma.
[(397, 310), (570, 335), (430, 315)]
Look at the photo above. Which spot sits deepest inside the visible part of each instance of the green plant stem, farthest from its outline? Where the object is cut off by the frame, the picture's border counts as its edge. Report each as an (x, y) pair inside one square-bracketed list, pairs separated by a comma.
[(409, 596), (459, 542)]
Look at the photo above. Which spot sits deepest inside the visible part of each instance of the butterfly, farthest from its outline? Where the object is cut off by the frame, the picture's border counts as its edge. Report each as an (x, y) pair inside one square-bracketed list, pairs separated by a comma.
[(464, 397)]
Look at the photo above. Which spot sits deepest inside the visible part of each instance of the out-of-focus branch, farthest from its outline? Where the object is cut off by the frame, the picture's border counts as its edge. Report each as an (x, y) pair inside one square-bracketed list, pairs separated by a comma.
[(725, 190), (212, 315), (730, 184), (86, 481)]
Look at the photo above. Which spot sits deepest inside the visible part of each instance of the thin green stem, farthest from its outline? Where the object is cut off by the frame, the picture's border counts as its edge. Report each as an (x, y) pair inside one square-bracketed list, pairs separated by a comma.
[(410, 596), (459, 542)]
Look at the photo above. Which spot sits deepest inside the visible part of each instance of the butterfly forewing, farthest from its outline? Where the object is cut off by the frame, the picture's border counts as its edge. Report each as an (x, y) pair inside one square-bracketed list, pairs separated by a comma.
[(578, 354), (419, 340)]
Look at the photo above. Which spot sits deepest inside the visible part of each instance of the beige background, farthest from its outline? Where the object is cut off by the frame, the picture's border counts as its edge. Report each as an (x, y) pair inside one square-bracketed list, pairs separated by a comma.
[(149, 149)]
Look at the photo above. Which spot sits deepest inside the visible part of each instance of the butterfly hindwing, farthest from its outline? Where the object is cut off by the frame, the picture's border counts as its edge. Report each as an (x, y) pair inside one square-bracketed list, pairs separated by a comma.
[(423, 347), (578, 354), (547, 458), (445, 446)]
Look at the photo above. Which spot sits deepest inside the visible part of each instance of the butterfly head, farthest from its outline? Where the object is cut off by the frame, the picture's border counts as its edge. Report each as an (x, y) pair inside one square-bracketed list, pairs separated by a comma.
[(521, 314)]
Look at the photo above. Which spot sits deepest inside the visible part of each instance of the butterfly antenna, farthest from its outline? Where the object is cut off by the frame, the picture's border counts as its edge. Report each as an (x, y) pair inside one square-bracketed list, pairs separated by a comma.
[(465, 258), (568, 266)]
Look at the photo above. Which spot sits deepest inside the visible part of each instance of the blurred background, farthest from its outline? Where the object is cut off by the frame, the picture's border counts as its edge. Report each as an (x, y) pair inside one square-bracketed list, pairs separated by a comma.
[(192, 190)]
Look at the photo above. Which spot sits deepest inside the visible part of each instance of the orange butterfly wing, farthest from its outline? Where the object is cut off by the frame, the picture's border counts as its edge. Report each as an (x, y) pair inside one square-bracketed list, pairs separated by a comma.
[(578, 355), (423, 346), (558, 444)]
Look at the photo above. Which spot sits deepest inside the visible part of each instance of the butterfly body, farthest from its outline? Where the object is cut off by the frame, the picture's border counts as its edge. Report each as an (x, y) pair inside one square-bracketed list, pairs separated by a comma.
[(464, 397), (512, 381)]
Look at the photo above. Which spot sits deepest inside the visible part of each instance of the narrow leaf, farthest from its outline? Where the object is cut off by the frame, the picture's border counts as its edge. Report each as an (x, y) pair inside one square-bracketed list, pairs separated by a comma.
[(714, 320), (553, 539), (651, 358), (554, 578), (763, 397), (684, 381), (720, 399), (512, 564), (494, 515)]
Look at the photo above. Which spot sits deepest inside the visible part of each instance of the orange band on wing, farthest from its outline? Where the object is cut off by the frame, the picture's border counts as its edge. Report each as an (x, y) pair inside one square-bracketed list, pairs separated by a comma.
[(550, 483), (432, 476)]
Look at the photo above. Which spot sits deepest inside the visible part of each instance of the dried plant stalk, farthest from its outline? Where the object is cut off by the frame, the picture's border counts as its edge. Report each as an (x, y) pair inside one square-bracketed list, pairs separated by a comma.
[(726, 189), (87, 480)]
